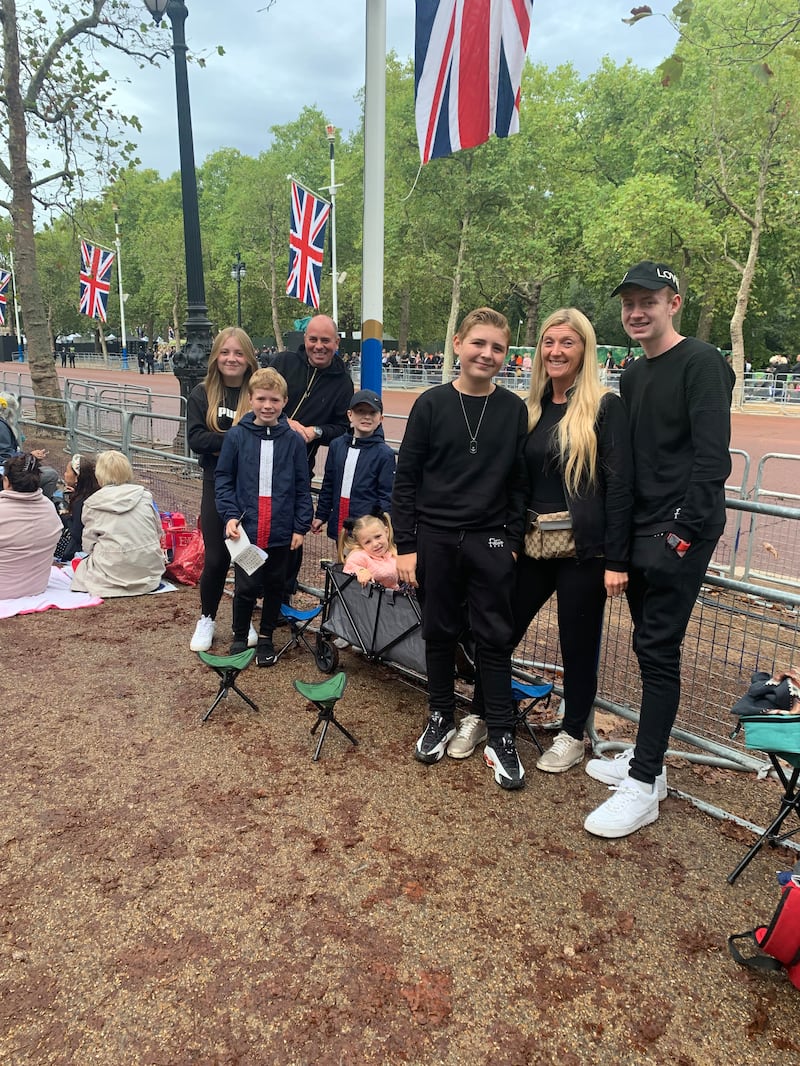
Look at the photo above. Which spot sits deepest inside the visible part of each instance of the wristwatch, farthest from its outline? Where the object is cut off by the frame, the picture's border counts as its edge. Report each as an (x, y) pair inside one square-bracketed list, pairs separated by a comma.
[(677, 544), (318, 432)]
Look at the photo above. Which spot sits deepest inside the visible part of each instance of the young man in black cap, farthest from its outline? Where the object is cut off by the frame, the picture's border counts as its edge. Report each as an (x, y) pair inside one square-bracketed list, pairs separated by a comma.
[(359, 469), (678, 400)]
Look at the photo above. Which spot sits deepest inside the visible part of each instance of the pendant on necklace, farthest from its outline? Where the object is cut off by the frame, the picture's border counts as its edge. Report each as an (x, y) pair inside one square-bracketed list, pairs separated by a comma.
[(473, 447)]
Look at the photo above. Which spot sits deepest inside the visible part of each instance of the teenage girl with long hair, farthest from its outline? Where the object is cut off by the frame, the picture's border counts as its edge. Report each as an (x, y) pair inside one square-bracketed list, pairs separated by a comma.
[(216, 404)]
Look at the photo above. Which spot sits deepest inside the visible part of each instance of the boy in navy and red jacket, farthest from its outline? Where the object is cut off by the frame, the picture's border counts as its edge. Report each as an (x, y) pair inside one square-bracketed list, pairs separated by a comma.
[(261, 484)]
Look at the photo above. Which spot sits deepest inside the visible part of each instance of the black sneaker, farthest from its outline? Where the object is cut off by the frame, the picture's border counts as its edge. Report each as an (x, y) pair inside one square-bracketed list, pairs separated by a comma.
[(265, 652), (500, 755), (238, 646), (432, 744)]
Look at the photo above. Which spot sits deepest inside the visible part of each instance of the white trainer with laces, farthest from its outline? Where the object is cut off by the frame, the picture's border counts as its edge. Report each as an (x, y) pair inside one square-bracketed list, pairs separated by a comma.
[(252, 638), (203, 636), (564, 753), (471, 732), (632, 806), (613, 771)]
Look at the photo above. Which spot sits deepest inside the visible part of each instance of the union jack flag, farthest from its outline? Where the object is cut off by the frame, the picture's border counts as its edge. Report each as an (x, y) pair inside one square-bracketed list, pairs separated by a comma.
[(5, 277), (469, 56), (309, 216), (96, 265)]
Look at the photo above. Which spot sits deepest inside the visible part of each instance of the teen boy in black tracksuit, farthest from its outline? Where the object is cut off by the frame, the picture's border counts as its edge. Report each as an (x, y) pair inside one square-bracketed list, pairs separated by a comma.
[(458, 516), (678, 399)]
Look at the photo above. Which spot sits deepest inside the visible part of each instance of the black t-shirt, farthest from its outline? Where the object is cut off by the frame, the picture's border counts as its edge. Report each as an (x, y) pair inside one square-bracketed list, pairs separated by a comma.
[(542, 461)]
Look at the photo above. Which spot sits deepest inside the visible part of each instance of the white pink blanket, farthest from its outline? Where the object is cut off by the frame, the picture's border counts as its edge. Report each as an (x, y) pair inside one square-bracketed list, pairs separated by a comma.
[(57, 594)]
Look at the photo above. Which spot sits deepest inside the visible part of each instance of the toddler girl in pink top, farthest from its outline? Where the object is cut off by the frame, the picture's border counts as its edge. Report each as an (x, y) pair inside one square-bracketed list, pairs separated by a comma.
[(368, 551)]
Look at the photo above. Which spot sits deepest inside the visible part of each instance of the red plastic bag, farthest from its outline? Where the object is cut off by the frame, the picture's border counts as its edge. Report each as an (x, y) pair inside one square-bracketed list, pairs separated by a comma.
[(188, 558)]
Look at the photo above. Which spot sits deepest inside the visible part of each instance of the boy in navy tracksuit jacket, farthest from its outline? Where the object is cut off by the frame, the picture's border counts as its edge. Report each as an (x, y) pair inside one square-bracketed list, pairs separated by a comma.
[(261, 483), (359, 470)]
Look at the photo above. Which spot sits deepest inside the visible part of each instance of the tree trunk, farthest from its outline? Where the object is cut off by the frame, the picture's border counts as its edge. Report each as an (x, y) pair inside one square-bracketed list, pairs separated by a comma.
[(532, 314), (455, 301), (40, 357)]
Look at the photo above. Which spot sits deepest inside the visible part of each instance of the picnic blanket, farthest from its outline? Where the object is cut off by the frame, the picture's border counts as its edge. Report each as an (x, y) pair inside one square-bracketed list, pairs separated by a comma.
[(57, 594)]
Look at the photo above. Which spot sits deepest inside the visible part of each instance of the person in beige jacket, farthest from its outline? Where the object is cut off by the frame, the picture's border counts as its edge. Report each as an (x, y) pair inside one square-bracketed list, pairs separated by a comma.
[(29, 529), (121, 534)]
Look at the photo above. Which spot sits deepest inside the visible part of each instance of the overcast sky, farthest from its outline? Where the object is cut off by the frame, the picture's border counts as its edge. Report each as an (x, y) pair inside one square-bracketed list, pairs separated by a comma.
[(301, 52)]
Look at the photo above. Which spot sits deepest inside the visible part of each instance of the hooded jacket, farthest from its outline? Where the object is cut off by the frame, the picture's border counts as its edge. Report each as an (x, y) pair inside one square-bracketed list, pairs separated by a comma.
[(317, 397), (122, 536), (29, 532), (262, 479), (359, 474)]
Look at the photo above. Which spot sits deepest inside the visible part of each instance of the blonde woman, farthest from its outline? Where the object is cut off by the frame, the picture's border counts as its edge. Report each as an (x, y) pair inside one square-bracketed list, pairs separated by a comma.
[(576, 459), (121, 534), (216, 404)]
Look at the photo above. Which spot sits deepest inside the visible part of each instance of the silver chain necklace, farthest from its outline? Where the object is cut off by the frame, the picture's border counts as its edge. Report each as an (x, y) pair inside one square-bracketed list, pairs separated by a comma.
[(473, 437)]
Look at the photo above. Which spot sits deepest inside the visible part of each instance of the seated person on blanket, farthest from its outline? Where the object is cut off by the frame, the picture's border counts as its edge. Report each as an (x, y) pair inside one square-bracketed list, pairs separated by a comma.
[(29, 529), (261, 484), (359, 469), (12, 437), (367, 549), (81, 482), (121, 534)]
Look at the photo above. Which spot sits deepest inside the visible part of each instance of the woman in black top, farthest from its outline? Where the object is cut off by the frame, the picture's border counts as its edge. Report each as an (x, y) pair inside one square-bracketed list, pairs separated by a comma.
[(577, 459), (215, 405), (81, 482)]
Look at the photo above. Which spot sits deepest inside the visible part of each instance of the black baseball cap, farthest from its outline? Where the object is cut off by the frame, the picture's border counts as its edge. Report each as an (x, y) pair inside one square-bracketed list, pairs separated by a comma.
[(649, 275), (367, 396)]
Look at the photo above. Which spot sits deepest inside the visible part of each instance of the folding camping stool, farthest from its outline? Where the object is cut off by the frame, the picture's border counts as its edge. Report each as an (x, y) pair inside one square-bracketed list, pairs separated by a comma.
[(526, 696), (228, 667), (325, 695), (325, 654), (790, 801)]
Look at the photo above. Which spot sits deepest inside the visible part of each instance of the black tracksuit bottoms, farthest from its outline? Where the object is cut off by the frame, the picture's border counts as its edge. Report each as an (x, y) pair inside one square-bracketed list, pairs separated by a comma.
[(473, 568), (662, 591), (267, 581), (217, 559)]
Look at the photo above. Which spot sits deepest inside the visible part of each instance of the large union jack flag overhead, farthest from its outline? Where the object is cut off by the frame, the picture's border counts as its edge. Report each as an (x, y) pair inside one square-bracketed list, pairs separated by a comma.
[(469, 56), (309, 216), (5, 277), (96, 265)]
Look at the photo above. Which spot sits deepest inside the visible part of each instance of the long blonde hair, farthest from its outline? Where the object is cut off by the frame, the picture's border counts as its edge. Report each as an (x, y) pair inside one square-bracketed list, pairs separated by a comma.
[(576, 433), (213, 382), (348, 538)]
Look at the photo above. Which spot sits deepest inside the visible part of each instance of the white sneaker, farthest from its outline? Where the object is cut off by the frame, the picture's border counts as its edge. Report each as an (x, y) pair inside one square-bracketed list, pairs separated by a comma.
[(613, 771), (564, 753), (632, 806), (252, 638), (203, 636), (471, 732)]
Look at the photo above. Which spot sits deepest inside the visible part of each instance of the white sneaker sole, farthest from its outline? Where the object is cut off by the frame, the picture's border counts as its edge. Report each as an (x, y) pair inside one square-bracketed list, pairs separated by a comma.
[(616, 832)]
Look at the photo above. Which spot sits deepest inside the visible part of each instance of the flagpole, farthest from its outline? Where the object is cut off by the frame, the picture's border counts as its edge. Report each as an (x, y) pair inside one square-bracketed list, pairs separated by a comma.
[(374, 175), (20, 349), (124, 348), (331, 134)]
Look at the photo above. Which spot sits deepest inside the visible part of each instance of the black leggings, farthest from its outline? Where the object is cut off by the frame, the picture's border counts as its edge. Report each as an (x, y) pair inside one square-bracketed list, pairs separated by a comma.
[(217, 558)]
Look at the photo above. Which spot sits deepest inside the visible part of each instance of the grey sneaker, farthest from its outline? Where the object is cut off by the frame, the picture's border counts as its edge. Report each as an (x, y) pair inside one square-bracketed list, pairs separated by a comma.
[(614, 771), (471, 732), (564, 753)]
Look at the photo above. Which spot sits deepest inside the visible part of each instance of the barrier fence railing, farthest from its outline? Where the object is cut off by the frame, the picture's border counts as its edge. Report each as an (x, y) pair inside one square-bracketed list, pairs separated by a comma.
[(746, 617)]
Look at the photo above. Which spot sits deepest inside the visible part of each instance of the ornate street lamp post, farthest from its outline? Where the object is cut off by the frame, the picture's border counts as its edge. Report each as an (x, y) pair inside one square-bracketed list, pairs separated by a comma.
[(190, 362), (238, 271)]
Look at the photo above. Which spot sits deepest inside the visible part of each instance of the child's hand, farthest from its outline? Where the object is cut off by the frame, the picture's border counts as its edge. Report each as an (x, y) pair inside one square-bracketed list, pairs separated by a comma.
[(316, 525), (232, 529), (297, 541), (363, 576), (407, 569)]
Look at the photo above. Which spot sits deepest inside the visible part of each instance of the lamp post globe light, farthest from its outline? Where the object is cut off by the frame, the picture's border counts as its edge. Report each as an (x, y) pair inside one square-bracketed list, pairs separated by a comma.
[(190, 362), (238, 271)]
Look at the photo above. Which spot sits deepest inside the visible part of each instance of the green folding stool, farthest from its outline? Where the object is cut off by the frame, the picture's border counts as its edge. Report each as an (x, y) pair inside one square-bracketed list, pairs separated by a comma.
[(228, 667), (325, 695)]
